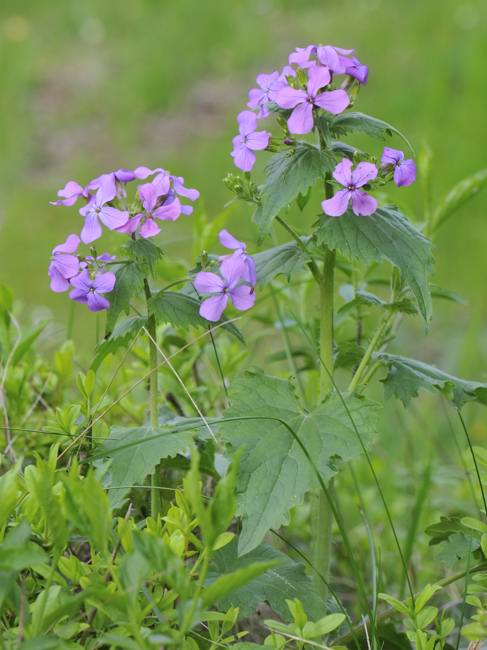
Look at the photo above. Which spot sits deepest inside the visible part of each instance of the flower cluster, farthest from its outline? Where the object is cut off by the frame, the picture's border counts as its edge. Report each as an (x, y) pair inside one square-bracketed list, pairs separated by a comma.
[(353, 180), (299, 92), (105, 203), (235, 280)]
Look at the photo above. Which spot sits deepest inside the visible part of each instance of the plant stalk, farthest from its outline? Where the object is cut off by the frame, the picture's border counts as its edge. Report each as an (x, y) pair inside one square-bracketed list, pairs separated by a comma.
[(322, 516), (155, 493)]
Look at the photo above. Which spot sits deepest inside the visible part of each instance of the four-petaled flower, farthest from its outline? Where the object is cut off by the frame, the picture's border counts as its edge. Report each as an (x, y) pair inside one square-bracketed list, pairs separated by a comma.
[(88, 290), (302, 102), (70, 193), (362, 203), (97, 210), (248, 141), (64, 264), (260, 97), (224, 287), (404, 170), (229, 241), (150, 194)]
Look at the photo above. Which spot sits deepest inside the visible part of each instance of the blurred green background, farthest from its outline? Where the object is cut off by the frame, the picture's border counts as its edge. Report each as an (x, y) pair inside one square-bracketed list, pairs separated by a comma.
[(91, 86)]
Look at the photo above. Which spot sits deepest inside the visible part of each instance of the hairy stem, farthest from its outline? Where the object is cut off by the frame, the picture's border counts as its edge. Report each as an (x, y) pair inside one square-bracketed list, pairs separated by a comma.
[(322, 516), (155, 495)]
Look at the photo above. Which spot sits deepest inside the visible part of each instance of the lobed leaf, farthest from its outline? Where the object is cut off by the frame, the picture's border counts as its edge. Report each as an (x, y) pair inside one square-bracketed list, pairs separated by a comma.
[(284, 259), (121, 336), (129, 283)]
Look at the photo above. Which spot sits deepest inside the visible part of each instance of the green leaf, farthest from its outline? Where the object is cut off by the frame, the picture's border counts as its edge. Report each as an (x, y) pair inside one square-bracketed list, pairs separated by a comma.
[(135, 453), (407, 376), (446, 294), (274, 472), (181, 310), (289, 174), (362, 123), (387, 234), (323, 627), (26, 343), (287, 580), (121, 336), (460, 194), (145, 252), (129, 283), (284, 259), (230, 582)]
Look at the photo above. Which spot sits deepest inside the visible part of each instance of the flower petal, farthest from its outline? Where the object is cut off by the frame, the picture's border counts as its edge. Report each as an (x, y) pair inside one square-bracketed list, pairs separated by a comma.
[(169, 211), (333, 101), (113, 218), (148, 195), (318, 77), (97, 302), (243, 158), (405, 173), (301, 119), (229, 241), (391, 157), (363, 173), (258, 140), (104, 282), (337, 205), (82, 281), (250, 274), (91, 229), (247, 122), (188, 192), (66, 265), (58, 281), (233, 269), (343, 172), (206, 282), (363, 205), (79, 295), (212, 308), (327, 55), (149, 229), (289, 97), (243, 297), (69, 246)]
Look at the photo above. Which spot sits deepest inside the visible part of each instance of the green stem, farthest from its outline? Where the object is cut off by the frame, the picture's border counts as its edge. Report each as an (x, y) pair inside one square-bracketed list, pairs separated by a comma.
[(373, 345), (322, 515), (155, 500)]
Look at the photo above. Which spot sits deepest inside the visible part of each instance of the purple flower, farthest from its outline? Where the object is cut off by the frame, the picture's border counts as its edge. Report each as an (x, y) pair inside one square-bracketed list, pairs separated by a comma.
[(337, 59), (89, 290), (186, 192), (302, 56), (70, 193), (404, 170), (260, 97), (64, 264), (362, 203), (357, 70), (303, 101), (224, 287), (229, 241), (97, 210), (167, 209), (248, 141)]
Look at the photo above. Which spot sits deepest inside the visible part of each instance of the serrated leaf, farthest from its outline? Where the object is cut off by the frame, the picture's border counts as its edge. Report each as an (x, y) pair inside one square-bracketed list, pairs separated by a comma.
[(460, 194), (135, 453), (274, 471), (144, 251), (129, 283), (407, 376), (284, 259), (350, 122), (287, 580), (182, 310), (289, 174), (387, 234), (123, 333)]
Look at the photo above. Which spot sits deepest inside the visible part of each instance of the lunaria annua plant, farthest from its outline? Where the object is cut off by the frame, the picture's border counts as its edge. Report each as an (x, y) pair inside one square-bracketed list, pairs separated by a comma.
[(342, 286)]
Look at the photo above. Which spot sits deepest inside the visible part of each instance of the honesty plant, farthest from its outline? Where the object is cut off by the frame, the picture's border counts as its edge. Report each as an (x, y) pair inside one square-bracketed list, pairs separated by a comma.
[(354, 269)]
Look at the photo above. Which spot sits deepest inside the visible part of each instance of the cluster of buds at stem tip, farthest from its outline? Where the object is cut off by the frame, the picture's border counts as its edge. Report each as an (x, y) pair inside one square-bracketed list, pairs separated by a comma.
[(162, 197)]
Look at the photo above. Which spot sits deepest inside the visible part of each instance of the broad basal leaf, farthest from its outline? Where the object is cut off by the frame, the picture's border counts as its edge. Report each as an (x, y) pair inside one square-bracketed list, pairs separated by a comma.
[(387, 234), (274, 471), (284, 259), (362, 123), (122, 335), (129, 284), (289, 174), (135, 453), (407, 376), (287, 580)]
